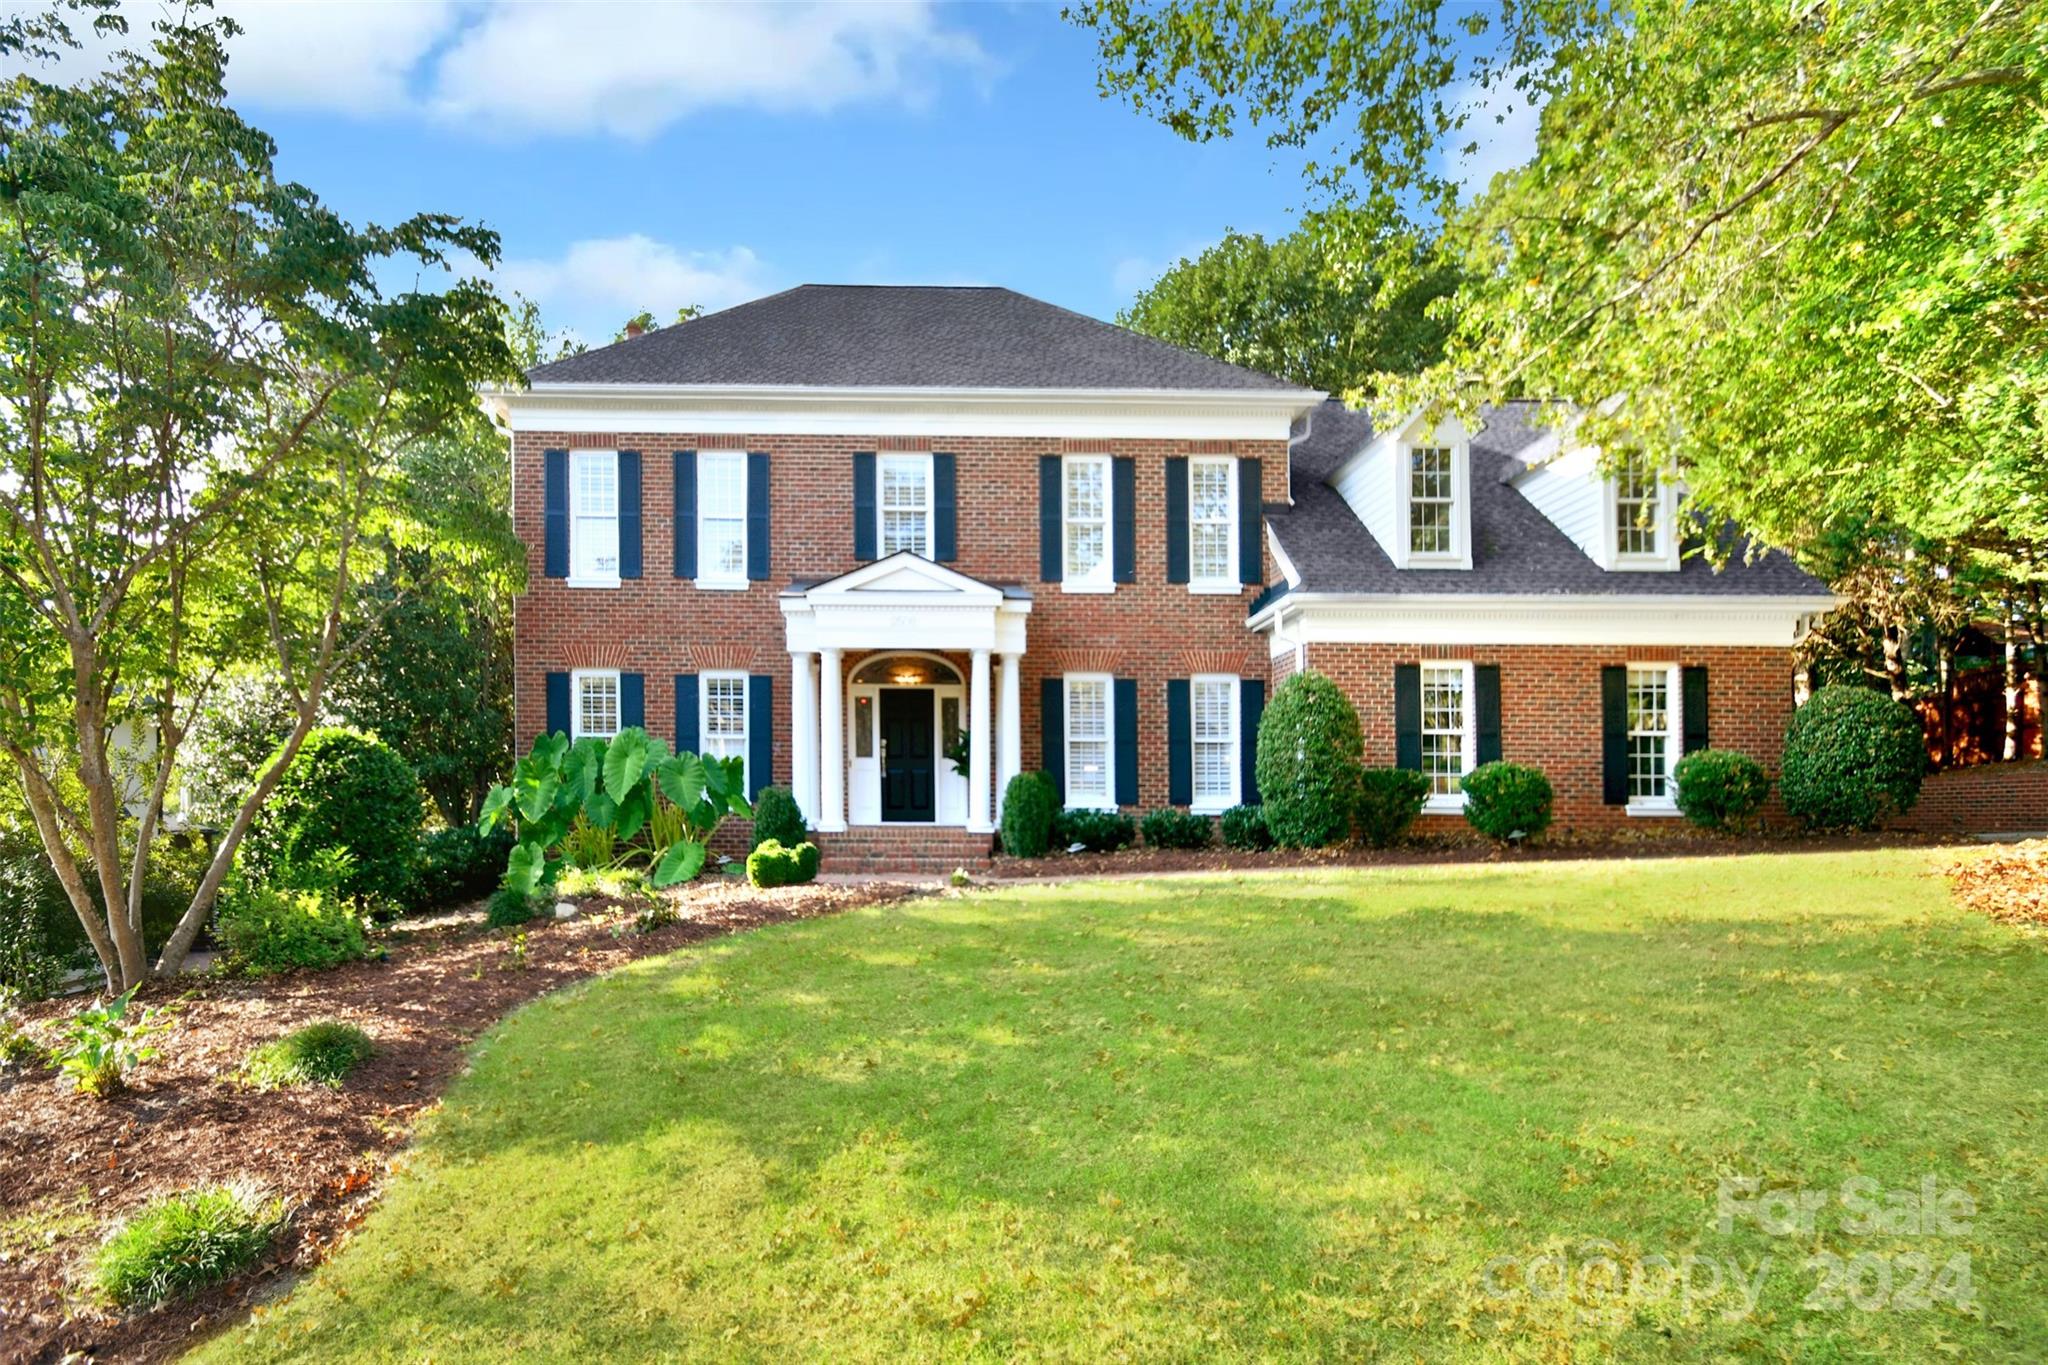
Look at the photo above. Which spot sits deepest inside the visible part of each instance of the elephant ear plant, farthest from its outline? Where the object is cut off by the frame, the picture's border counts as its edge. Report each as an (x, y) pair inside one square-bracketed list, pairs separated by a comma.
[(649, 807)]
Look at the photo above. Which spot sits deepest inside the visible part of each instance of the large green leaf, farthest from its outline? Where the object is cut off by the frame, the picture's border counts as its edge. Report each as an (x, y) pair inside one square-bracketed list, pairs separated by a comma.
[(495, 805), (583, 768), (523, 869), (600, 809), (682, 780), (537, 794), (633, 812), (625, 761), (680, 861)]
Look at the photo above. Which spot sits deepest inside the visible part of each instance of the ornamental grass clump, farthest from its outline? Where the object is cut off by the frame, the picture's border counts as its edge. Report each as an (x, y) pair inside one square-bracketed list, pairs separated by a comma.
[(321, 1053), (188, 1242)]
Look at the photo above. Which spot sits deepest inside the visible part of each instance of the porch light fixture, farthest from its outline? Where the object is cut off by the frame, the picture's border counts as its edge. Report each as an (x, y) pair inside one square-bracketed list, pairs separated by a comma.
[(909, 677)]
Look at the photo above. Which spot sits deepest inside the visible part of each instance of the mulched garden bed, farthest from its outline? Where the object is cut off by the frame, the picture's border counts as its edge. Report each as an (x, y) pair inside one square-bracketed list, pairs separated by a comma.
[(71, 1165)]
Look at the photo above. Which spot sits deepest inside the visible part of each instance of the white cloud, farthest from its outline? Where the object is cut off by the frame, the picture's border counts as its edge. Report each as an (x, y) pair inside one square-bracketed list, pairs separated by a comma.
[(598, 283), (353, 58), (1502, 121)]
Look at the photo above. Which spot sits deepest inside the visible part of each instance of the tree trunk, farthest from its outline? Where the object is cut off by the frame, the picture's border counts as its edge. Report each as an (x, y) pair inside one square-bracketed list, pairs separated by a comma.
[(1895, 660), (2011, 750), (1946, 652)]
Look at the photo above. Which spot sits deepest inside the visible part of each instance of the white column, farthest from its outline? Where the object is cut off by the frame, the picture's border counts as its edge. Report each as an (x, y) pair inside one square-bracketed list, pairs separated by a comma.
[(803, 738), (978, 732), (1011, 750), (832, 730)]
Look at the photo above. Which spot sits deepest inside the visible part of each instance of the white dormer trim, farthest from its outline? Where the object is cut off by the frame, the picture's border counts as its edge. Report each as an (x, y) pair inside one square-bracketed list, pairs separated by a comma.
[(1376, 482), (1563, 479), (1666, 560)]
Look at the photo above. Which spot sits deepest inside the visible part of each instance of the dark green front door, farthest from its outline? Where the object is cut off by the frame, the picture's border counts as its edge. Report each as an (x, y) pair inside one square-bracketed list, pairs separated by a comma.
[(909, 758)]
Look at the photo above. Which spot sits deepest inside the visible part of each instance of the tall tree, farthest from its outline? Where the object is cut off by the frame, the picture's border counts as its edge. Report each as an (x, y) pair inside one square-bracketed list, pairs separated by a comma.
[(205, 406)]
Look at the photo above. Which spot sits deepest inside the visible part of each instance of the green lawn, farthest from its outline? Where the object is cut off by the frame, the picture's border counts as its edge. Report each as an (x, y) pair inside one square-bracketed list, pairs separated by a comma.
[(1287, 1115)]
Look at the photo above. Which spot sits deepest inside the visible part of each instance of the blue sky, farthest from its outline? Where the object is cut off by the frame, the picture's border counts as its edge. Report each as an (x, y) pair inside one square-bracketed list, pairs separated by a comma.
[(649, 156)]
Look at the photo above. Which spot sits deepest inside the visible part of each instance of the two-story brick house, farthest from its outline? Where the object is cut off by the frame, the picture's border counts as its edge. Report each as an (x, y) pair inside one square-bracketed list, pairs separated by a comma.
[(844, 530)]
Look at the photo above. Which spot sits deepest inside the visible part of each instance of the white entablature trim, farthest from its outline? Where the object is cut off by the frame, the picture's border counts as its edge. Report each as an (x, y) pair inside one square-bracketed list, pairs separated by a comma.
[(904, 602), (1188, 414), (1430, 618)]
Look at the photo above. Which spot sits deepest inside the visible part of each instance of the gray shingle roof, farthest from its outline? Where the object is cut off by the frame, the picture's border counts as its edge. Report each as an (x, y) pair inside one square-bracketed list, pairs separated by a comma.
[(888, 336), (1515, 548)]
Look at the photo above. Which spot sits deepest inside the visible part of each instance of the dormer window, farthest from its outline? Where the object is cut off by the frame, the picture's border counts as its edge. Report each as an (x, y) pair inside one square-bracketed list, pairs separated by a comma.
[(1432, 499), (1637, 512)]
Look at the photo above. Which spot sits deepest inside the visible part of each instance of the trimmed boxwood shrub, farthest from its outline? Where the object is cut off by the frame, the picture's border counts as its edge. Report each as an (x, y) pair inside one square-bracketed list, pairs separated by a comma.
[(776, 817), (1310, 753), (1244, 827), (1852, 758), (1721, 789), (1170, 828), (771, 864), (509, 907), (1507, 800), (1389, 799), (1029, 805), (269, 929), (344, 790), (188, 1242), (1096, 831)]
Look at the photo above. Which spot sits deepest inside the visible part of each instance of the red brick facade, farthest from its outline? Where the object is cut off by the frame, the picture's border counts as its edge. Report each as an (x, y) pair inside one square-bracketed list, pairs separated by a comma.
[(1990, 798)]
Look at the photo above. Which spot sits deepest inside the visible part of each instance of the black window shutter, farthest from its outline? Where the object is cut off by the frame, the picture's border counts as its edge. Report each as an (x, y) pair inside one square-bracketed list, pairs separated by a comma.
[(760, 732), (629, 514), (1251, 557), (945, 508), (633, 700), (1176, 519), (1127, 741), (864, 504), (1408, 716), (1614, 734), (1180, 743), (1052, 724), (688, 736), (1123, 496), (1694, 682), (1049, 522), (757, 515), (685, 504), (558, 703), (1251, 708), (1486, 710), (554, 479)]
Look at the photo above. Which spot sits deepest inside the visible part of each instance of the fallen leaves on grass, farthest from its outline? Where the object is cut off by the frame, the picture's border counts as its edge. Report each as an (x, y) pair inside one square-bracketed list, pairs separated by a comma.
[(2009, 884)]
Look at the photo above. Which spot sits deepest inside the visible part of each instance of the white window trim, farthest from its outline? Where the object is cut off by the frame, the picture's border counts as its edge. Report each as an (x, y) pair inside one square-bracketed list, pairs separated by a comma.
[(931, 511), (1103, 580), (725, 582), (1107, 801), (577, 677), (704, 680), (1228, 581), (1666, 559), (1460, 554), (1434, 804), (576, 580), (1665, 806), (1217, 805)]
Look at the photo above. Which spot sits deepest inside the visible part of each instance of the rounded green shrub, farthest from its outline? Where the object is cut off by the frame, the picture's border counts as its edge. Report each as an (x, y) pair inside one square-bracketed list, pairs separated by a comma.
[(269, 929), (771, 864), (1244, 827), (1507, 800), (510, 907), (186, 1243), (776, 817), (456, 865), (1096, 831), (1389, 799), (321, 1053), (344, 790), (1852, 758), (1310, 753), (1170, 828), (1029, 804), (1721, 789)]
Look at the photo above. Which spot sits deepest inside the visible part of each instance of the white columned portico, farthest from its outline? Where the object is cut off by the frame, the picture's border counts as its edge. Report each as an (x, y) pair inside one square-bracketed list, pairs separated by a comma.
[(978, 732), (803, 739), (1010, 749), (832, 729)]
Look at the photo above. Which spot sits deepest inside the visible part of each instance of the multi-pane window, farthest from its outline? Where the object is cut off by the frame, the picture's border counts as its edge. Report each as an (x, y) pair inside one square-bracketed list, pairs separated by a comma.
[(1649, 733), (1430, 495), (1088, 742), (723, 731), (907, 504), (1214, 702), (597, 705), (722, 515), (1212, 518), (594, 515), (1635, 509), (1445, 711), (1086, 502)]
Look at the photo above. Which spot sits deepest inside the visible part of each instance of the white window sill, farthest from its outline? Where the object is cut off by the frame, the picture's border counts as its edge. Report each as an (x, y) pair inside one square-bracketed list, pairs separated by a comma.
[(1644, 564), (1657, 810), (721, 584), (1087, 587), (1210, 807), (1101, 803), (1437, 562), (611, 582), (1444, 805), (1218, 589)]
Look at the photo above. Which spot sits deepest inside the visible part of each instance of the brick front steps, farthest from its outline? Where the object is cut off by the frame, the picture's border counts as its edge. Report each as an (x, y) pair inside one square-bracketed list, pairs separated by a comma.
[(903, 848)]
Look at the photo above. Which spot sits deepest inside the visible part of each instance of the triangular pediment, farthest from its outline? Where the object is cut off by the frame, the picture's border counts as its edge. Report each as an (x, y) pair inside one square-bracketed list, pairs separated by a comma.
[(904, 572)]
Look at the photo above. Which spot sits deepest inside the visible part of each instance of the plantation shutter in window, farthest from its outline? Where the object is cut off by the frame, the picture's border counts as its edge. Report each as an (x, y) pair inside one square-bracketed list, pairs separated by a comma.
[(864, 505), (685, 507), (688, 737), (1050, 526), (558, 703), (629, 514), (1486, 710), (1127, 741), (1694, 704), (1408, 716), (760, 732), (1614, 734), (1250, 521), (1052, 723), (945, 508), (554, 478), (633, 700), (1180, 743), (1123, 499), (757, 515), (1176, 519), (1251, 706)]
